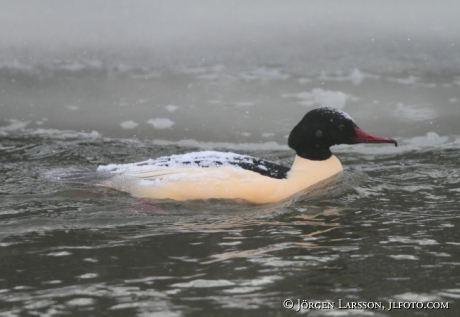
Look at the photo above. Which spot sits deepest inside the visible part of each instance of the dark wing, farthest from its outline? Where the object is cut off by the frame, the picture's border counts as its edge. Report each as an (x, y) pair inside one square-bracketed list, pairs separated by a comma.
[(265, 168)]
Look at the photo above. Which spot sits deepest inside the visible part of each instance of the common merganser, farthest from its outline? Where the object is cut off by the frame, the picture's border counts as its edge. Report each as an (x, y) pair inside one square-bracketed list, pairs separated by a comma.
[(219, 175)]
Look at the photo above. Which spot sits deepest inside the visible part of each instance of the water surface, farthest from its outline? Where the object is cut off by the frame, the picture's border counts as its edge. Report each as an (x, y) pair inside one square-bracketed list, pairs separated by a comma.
[(231, 77)]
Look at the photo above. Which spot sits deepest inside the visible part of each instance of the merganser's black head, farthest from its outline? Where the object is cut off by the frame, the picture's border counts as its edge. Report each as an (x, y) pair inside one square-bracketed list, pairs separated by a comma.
[(324, 127)]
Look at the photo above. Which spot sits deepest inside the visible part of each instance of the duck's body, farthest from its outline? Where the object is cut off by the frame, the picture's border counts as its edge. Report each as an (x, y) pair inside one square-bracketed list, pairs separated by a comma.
[(234, 179), (217, 175)]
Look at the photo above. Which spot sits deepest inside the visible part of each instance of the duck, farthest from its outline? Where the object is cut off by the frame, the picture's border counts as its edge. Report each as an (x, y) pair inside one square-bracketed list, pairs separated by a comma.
[(225, 175)]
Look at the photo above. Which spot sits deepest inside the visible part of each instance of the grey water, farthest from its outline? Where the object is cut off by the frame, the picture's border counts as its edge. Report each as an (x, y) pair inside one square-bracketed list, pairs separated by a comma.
[(91, 83)]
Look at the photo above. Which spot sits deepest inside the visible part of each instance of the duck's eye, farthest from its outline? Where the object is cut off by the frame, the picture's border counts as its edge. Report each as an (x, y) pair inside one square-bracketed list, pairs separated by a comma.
[(341, 127), (319, 133)]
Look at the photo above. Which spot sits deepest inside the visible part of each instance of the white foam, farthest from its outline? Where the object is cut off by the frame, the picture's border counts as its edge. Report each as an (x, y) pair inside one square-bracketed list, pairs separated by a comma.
[(161, 123), (405, 81), (303, 80), (17, 66), (73, 66), (197, 70), (19, 127), (265, 74), (404, 257), (76, 65), (243, 104), (204, 284), (411, 80), (215, 102), (171, 108), (414, 297), (65, 134), (141, 101), (14, 125), (128, 124), (414, 112), (72, 108), (324, 98), (88, 275), (148, 74), (82, 301), (356, 76), (429, 140), (59, 253)]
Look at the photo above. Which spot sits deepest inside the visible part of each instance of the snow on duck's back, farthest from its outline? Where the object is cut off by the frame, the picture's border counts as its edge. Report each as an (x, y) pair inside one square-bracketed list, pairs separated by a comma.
[(195, 159)]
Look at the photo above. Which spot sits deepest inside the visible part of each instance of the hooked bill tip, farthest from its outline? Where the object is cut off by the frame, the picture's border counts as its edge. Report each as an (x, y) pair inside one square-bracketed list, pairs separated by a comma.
[(363, 137)]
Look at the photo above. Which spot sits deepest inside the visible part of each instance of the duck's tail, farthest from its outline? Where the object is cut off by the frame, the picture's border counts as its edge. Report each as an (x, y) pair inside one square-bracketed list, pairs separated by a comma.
[(78, 176)]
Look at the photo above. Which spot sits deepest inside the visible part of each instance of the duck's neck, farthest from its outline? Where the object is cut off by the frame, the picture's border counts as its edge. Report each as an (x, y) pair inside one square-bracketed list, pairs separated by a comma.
[(328, 166), (317, 153)]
